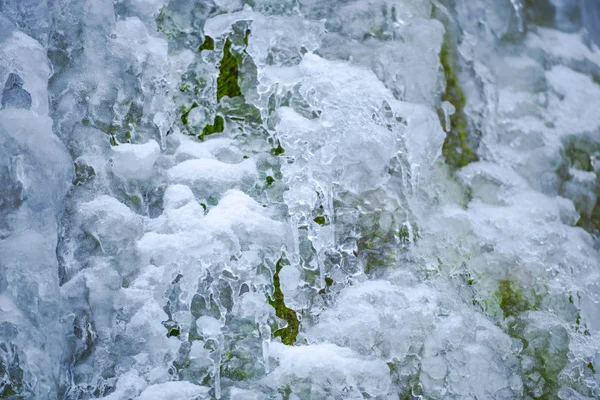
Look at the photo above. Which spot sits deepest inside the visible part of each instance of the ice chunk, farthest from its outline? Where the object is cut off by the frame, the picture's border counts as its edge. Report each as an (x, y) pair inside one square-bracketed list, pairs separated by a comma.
[(13, 95), (180, 390), (208, 326), (31, 62), (209, 176), (135, 161), (177, 196), (111, 223), (318, 366)]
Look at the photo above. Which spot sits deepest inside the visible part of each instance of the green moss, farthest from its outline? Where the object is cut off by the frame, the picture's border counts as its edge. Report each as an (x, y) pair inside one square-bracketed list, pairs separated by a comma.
[(591, 367), (404, 234), (375, 261), (513, 300), (548, 348), (545, 348), (236, 366), (246, 37), (579, 155), (290, 332), (227, 82), (239, 110), (320, 220), (407, 382), (539, 12), (381, 245), (328, 281), (235, 374), (208, 44), (277, 151), (270, 180), (185, 112), (217, 127), (83, 173), (166, 25), (456, 148), (173, 329)]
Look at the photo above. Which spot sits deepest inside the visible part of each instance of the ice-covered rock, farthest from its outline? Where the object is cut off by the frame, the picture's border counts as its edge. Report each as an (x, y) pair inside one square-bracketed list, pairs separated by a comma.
[(251, 200)]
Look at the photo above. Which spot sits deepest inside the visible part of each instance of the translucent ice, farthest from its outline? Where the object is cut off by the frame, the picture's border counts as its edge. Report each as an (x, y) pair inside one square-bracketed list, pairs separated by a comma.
[(258, 200)]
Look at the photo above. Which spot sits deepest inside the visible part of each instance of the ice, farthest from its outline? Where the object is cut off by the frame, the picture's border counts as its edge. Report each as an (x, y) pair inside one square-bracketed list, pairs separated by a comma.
[(315, 368), (13, 95), (23, 56), (213, 173), (578, 90), (187, 391), (135, 161), (30, 16), (572, 50), (256, 200), (36, 173)]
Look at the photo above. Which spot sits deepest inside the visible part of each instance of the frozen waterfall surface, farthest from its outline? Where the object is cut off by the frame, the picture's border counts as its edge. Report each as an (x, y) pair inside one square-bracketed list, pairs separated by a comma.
[(299, 199)]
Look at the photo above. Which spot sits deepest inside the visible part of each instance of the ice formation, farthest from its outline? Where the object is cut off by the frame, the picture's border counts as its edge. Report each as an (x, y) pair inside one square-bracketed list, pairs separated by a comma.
[(299, 199)]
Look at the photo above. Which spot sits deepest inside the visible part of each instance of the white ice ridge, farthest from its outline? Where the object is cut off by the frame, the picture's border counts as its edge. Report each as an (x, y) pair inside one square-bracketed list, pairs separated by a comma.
[(243, 200)]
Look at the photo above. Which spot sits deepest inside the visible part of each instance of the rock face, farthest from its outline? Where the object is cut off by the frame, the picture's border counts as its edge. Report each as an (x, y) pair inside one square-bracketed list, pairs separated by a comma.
[(299, 199)]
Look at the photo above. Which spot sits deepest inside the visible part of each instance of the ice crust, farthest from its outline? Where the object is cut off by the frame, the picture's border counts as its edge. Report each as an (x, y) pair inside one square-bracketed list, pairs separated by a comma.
[(144, 258)]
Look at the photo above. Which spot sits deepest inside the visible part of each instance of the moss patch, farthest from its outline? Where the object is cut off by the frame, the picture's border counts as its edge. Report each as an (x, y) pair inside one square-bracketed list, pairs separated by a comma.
[(539, 12), (185, 112), (208, 44), (579, 155), (172, 327), (513, 300), (246, 37), (277, 151), (382, 245), (290, 332), (217, 127), (227, 82), (83, 173), (591, 367), (546, 351), (320, 220), (456, 148), (545, 348), (236, 366)]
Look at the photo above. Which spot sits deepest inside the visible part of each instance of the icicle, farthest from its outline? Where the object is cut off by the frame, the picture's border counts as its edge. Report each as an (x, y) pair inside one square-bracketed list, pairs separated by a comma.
[(518, 7)]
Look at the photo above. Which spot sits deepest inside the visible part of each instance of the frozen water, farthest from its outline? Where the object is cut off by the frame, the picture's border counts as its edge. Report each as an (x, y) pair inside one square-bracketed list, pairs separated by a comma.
[(299, 199), (13, 95)]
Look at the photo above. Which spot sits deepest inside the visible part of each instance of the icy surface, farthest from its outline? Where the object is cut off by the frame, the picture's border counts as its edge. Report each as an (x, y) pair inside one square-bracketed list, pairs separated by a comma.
[(254, 200)]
